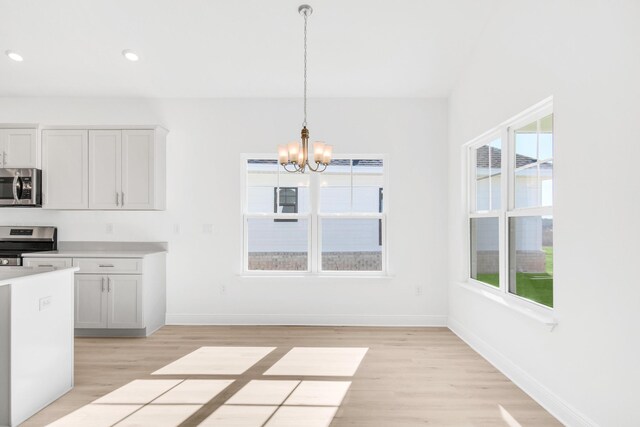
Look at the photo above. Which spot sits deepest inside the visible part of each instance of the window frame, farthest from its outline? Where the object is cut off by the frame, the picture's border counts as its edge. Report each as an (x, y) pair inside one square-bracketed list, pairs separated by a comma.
[(473, 212), (314, 259), (505, 131)]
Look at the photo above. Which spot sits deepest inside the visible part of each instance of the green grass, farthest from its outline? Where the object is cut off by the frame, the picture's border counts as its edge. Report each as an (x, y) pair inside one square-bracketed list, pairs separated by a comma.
[(490, 279), (537, 287), (549, 251)]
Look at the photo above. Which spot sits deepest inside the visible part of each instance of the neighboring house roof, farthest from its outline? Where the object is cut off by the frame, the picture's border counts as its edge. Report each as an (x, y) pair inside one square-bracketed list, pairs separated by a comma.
[(482, 158)]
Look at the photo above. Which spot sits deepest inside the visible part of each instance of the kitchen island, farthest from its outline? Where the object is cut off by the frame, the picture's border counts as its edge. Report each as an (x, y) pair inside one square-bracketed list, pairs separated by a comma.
[(36, 339)]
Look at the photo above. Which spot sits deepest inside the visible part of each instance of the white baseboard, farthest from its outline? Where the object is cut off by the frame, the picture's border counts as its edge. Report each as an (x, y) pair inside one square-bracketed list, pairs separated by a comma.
[(308, 319), (556, 406)]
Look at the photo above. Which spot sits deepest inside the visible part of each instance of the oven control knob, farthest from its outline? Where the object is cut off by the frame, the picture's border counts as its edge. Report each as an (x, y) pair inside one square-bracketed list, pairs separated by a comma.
[(4, 261)]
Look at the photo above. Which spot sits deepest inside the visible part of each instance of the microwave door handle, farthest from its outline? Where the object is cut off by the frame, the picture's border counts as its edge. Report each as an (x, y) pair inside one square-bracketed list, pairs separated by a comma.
[(16, 179)]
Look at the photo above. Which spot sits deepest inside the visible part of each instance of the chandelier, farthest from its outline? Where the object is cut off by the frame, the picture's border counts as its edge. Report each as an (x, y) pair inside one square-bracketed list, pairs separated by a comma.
[(294, 157)]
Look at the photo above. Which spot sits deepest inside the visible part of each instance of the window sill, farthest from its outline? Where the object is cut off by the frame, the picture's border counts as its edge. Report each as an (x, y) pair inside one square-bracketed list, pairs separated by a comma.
[(316, 276), (539, 314)]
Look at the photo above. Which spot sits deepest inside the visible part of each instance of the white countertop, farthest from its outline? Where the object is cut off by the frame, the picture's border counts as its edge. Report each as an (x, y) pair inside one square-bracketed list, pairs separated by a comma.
[(10, 275), (101, 250), (66, 253)]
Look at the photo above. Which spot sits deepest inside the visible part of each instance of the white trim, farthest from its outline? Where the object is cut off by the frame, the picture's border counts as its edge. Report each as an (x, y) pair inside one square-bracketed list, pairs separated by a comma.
[(104, 127), (538, 111), (540, 106), (260, 274), (277, 216), (537, 211), (531, 309), (19, 126), (484, 215), (400, 320), (550, 401)]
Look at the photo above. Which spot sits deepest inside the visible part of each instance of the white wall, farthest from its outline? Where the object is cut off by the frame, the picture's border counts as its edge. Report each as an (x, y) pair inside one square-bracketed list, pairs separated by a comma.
[(585, 54), (204, 146)]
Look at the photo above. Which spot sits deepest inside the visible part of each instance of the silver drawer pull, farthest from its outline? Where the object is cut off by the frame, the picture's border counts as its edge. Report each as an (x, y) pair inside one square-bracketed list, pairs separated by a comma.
[(105, 265), (45, 265)]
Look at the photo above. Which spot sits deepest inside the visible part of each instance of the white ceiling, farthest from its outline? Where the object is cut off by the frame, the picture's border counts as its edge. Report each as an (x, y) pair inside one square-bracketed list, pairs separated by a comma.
[(232, 48)]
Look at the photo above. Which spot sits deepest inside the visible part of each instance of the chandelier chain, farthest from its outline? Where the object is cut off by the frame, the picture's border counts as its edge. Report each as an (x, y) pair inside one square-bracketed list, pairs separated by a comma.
[(304, 123)]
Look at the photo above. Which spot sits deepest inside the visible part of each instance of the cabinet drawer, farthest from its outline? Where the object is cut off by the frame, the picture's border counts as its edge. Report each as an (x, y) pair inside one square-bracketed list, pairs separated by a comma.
[(108, 265), (48, 262)]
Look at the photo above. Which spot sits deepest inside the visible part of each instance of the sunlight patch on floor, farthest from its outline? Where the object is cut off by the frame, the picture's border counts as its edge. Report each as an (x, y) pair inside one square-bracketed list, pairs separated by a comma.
[(216, 361), (319, 361), (259, 400)]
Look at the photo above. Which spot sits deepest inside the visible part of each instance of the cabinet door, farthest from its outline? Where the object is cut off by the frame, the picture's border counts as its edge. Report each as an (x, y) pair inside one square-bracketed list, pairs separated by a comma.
[(138, 181), (125, 301), (65, 169), (19, 148), (90, 301), (105, 176)]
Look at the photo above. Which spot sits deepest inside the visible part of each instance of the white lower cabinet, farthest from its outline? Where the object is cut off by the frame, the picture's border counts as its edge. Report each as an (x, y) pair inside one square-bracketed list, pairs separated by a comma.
[(90, 301), (124, 301), (108, 301), (54, 263), (115, 296)]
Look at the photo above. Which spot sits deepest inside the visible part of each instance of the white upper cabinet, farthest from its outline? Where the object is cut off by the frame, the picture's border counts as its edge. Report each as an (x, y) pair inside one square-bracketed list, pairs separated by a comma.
[(105, 169), (127, 169), (138, 169), (65, 169), (19, 148)]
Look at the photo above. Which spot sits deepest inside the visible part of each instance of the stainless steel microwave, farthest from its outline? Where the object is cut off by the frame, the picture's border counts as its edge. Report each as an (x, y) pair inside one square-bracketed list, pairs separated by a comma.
[(20, 188)]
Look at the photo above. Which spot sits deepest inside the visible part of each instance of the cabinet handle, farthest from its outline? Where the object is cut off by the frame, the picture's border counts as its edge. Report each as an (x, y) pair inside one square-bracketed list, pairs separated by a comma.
[(108, 284), (117, 199), (105, 265), (45, 265), (123, 199), (102, 284)]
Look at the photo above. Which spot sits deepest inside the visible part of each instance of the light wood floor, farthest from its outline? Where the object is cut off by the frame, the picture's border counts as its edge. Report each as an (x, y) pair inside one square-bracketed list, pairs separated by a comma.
[(409, 377)]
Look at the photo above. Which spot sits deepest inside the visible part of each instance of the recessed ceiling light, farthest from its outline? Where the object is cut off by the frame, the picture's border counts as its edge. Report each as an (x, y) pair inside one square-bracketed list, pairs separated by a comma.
[(15, 56), (130, 55)]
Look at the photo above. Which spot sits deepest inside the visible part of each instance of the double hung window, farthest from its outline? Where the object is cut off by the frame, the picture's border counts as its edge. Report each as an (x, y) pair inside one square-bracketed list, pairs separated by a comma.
[(315, 223), (511, 207)]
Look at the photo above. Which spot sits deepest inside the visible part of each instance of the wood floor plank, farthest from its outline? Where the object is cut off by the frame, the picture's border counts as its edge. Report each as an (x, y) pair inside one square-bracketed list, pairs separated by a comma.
[(409, 376)]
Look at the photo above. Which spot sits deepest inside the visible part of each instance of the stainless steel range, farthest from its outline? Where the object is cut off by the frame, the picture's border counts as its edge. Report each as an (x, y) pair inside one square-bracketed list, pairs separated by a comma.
[(15, 241)]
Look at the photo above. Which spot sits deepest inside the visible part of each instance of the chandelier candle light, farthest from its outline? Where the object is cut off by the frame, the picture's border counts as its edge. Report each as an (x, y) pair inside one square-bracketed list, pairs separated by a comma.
[(296, 155)]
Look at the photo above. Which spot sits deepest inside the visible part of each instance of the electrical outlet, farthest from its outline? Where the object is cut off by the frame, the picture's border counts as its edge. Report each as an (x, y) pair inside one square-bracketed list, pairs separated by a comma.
[(176, 228), (109, 228), (418, 291), (223, 289), (45, 303), (207, 228)]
